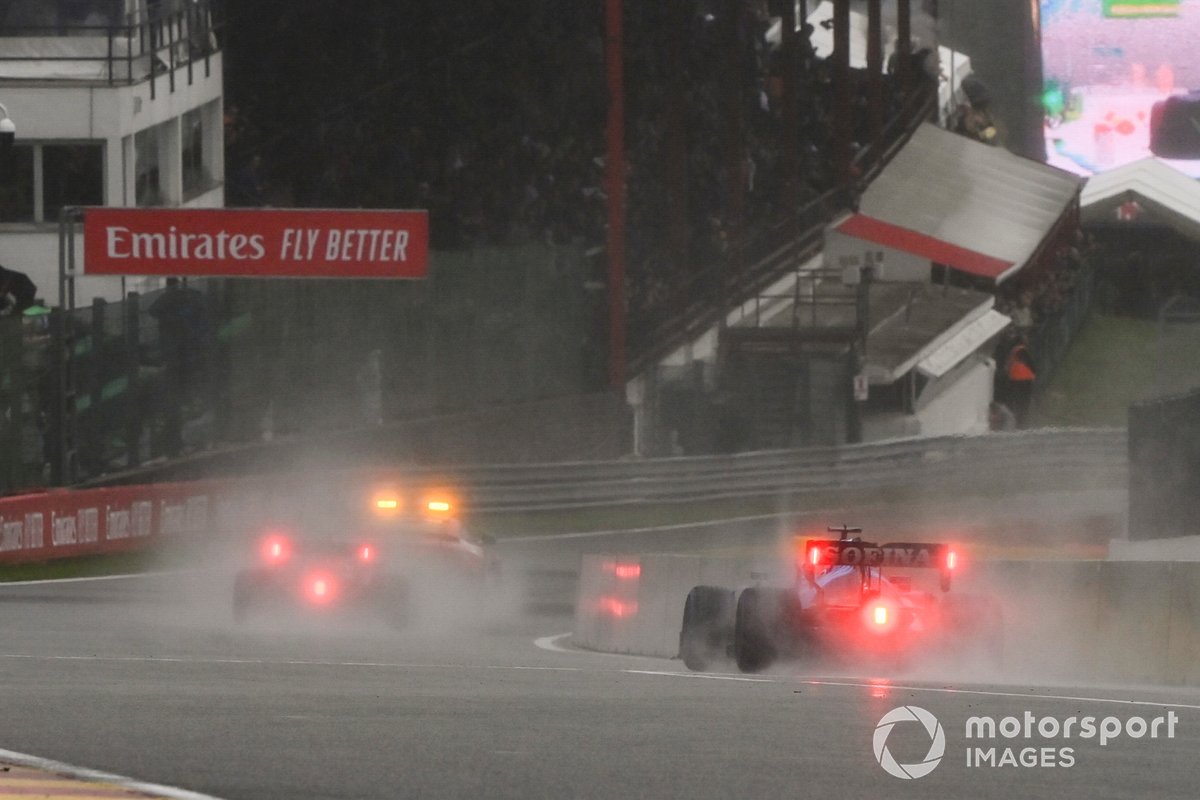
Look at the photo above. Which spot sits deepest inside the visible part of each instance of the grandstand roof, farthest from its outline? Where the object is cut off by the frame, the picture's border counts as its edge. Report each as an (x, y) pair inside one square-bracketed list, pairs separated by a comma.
[(972, 196), (879, 232), (1168, 195)]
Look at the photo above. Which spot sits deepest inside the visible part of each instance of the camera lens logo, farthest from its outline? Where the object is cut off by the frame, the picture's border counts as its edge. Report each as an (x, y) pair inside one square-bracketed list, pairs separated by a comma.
[(933, 728)]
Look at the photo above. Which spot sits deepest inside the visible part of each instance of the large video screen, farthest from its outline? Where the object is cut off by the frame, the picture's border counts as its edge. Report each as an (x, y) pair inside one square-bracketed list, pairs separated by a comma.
[(1121, 82)]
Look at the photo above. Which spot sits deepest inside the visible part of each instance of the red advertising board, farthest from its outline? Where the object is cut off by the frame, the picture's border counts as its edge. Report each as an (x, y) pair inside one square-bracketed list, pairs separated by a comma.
[(286, 243)]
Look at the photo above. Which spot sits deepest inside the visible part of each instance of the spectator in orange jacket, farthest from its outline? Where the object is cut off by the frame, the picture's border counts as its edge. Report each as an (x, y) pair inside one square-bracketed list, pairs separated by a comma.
[(1020, 371)]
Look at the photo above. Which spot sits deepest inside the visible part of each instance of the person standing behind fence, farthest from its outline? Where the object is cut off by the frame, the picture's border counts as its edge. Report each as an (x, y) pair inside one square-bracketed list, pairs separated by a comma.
[(184, 334), (1021, 373), (17, 292)]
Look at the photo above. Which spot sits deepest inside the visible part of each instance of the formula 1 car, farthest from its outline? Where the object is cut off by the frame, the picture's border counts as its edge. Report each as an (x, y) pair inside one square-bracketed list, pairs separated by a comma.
[(842, 608), (382, 562)]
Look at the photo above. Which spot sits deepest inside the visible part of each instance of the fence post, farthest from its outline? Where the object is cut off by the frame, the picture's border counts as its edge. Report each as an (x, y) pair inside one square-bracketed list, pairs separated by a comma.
[(132, 352)]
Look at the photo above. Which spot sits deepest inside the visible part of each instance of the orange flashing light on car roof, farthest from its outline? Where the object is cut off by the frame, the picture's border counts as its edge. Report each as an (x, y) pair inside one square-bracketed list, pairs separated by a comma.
[(387, 504), (439, 506)]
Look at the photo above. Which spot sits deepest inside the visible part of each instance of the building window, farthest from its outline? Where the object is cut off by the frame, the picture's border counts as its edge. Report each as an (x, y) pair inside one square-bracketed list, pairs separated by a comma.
[(72, 175), (16, 184), (36, 180), (195, 177), (147, 185)]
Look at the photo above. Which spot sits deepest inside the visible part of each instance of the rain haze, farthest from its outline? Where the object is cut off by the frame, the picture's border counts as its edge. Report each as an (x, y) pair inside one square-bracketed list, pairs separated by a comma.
[(703, 398)]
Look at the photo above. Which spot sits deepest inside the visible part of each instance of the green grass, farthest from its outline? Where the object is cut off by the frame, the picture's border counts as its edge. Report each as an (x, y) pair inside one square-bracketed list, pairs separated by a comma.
[(83, 567), (1116, 361)]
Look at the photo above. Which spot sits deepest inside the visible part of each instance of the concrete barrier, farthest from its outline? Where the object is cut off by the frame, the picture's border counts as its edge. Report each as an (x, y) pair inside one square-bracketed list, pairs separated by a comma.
[(1065, 620)]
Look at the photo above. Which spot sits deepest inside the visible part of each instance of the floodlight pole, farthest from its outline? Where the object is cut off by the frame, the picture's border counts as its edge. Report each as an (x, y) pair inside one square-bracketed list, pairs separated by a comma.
[(615, 184)]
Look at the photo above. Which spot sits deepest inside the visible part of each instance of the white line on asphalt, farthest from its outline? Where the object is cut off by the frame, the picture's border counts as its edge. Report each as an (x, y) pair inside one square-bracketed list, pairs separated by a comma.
[(650, 529), (85, 774), (551, 643), (992, 693), (679, 526), (95, 578), (703, 675), (286, 662)]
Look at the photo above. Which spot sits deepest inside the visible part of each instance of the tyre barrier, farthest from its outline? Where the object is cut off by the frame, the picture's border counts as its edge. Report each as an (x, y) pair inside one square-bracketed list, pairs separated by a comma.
[(1103, 621)]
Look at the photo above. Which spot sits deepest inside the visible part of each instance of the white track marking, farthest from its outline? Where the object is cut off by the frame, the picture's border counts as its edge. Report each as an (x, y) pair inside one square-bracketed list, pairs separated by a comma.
[(85, 774), (678, 526), (551, 643), (702, 675), (285, 662), (992, 693), (94, 578)]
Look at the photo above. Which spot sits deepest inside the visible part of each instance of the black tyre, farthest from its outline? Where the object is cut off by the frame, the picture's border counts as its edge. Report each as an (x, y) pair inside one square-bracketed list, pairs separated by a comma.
[(706, 617), (753, 630)]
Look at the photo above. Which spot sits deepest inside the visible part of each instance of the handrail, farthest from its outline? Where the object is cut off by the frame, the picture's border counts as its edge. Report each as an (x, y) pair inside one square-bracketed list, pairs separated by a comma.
[(781, 247)]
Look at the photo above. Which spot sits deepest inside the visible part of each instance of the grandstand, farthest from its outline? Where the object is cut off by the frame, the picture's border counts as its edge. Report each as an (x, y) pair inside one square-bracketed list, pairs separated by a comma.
[(746, 139)]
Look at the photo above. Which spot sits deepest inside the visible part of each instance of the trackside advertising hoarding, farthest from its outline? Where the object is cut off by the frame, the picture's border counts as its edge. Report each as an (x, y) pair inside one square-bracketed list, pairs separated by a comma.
[(285, 243)]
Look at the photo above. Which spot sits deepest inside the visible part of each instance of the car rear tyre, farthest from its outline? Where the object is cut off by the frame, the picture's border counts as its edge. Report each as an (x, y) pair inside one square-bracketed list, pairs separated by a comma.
[(705, 623), (753, 645)]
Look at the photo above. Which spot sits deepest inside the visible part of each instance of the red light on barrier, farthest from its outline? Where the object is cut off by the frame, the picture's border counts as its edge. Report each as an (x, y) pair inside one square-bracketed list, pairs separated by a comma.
[(625, 572), (620, 609)]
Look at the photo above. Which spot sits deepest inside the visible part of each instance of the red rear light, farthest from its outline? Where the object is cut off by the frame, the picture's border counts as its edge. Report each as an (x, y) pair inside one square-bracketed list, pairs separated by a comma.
[(366, 554), (880, 617), (951, 559), (320, 588), (814, 556), (276, 549)]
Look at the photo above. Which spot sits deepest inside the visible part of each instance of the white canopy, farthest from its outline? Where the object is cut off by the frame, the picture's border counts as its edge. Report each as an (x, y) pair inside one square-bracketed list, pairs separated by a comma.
[(1152, 186), (971, 195)]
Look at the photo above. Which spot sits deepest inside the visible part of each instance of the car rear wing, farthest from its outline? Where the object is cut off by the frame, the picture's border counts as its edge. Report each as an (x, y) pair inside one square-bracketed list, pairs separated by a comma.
[(825, 553)]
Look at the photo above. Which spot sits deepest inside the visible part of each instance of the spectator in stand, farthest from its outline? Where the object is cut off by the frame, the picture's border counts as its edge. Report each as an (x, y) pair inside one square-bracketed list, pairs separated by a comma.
[(17, 292), (1020, 374)]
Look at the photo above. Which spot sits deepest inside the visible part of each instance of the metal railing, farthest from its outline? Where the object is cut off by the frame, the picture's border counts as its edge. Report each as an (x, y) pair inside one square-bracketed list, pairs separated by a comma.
[(767, 254), (1046, 459), (136, 50)]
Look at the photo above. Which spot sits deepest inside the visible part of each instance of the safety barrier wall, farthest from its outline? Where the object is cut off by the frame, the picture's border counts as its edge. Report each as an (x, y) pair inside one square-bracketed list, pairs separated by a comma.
[(65, 524), (1064, 620), (1048, 460)]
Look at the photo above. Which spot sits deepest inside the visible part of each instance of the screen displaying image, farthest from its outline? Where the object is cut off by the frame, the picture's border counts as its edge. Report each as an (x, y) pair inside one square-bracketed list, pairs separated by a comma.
[(1121, 82)]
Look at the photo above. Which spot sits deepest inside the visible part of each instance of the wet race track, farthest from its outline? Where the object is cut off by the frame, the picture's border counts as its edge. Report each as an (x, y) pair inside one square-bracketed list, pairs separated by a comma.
[(148, 677)]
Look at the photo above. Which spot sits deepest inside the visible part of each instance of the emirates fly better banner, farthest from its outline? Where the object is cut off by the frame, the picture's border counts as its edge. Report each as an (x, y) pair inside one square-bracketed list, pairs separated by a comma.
[(256, 243)]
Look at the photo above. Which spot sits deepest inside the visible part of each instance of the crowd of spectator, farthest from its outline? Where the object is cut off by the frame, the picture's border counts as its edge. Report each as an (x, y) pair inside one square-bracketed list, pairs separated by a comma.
[(1045, 294), (492, 116)]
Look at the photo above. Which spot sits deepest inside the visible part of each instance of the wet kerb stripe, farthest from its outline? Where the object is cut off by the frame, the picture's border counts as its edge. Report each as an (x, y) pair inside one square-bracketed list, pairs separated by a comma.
[(23, 783)]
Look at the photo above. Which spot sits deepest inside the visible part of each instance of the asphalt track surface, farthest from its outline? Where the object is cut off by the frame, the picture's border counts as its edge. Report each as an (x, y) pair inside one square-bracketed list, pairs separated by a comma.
[(147, 677)]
